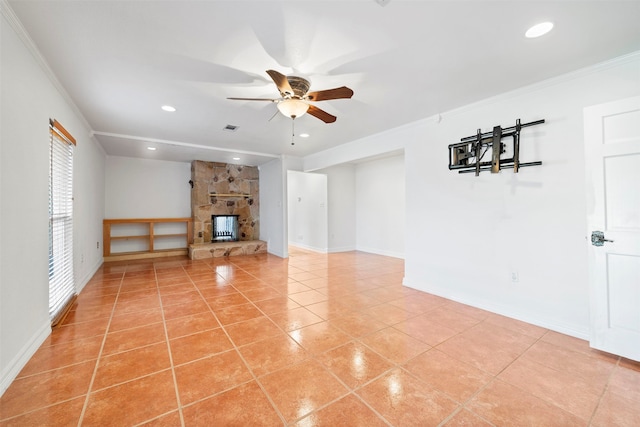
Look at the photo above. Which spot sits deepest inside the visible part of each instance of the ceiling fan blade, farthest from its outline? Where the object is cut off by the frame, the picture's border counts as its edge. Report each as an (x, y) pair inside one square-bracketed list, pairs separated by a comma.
[(254, 99), (281, 81), (321, 114), (337, 93)]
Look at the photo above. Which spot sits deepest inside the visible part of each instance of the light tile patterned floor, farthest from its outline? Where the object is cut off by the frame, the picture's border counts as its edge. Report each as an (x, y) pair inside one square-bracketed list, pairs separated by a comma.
[(315, 340)]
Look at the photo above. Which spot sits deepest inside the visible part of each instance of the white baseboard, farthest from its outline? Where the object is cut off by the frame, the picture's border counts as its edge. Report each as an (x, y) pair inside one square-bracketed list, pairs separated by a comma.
[(276, 253), (377, 251), (20, 360), (341, 249), (347, 249), (504, 310), (83, 282), (308, 248)]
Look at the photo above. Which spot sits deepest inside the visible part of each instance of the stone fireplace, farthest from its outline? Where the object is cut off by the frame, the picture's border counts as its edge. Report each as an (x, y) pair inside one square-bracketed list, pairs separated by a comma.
[(221, 189)]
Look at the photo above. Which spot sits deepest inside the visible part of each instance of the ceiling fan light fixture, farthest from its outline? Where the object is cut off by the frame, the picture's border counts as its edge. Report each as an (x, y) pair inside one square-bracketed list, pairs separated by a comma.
[(293, 107)]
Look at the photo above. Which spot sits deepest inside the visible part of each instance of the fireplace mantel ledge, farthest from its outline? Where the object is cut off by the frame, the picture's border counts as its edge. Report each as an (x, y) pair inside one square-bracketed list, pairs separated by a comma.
[(229, 195)]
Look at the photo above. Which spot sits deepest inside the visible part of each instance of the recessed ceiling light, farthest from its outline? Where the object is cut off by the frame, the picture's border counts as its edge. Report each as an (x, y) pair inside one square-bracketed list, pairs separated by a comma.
[(168, 108), (236, 158), (539, 30), (151, 148), (304, 135)]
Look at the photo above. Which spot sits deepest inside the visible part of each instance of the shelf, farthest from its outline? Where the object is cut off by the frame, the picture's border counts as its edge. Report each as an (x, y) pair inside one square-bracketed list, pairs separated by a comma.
[(126, 256), (146, 236), (143, 220), (150, 237)]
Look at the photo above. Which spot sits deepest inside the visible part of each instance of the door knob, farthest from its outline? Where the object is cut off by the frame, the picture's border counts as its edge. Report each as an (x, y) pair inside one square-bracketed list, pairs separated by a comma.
[(597, 238)]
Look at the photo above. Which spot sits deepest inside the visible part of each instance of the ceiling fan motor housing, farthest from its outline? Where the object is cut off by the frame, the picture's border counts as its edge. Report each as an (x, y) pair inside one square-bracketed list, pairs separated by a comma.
[(299, 85)]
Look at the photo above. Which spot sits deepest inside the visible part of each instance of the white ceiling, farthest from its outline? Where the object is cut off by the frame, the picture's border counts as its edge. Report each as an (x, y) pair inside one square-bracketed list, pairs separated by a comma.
[(120, 61)]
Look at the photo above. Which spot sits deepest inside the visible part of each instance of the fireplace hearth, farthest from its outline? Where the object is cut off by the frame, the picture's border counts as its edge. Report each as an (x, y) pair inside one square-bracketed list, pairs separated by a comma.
[(224, 228)]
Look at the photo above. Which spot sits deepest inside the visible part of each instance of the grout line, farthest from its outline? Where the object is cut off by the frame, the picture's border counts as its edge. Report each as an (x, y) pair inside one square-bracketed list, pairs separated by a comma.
[(3, 421), (217, 393), (494, 377), (45, 371), (253, 374), (132, 379), (302, 265), (236, 349), (314, 357), (167, 341), (104, 340), (604, 391), (350, 391), (147, 422)]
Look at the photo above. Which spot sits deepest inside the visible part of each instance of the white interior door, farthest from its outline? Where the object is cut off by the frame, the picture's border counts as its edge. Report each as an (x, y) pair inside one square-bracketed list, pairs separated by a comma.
[(612, 148)]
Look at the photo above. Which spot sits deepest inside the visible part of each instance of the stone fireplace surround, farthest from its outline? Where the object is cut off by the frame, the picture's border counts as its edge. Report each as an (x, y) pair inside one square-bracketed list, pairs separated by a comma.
[(225, 189)]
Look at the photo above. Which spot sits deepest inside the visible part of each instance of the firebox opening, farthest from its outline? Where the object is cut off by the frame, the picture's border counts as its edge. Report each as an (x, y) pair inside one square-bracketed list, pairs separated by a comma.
[(224, 228)]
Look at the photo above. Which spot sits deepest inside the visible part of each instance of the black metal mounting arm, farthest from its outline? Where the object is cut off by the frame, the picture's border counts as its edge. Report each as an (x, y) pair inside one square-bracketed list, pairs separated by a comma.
[(466, 155)]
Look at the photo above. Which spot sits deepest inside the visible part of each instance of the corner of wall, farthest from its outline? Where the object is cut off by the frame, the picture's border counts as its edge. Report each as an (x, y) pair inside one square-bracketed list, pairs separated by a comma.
[(13, 368), (88, 275)]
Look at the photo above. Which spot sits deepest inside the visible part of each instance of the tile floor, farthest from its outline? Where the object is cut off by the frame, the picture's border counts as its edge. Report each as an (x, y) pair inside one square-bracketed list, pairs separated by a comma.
[(315, 340)]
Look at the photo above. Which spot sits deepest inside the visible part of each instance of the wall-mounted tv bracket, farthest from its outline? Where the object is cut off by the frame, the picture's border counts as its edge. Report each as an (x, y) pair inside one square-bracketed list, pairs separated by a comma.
[(466, 155)]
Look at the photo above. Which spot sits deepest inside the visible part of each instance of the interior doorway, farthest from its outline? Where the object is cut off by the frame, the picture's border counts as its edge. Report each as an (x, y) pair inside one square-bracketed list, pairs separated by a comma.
[(307, 210)]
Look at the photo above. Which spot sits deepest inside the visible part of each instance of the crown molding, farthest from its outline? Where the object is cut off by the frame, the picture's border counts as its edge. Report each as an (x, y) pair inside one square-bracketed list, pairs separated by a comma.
[(21, 32), (181, 144)]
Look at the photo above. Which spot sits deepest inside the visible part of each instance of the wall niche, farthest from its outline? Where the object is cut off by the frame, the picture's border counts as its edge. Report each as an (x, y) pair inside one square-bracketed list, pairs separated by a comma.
[(224, 189)]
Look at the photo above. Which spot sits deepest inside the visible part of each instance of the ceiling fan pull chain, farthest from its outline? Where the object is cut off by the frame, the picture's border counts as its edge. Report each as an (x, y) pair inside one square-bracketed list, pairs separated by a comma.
[(293, 129)]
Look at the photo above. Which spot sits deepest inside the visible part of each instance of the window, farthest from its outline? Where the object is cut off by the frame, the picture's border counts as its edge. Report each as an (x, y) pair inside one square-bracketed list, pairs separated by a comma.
[(61, 280)]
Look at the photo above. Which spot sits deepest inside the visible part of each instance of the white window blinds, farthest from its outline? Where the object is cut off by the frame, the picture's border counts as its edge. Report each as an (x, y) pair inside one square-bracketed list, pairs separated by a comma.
[(61, 280)]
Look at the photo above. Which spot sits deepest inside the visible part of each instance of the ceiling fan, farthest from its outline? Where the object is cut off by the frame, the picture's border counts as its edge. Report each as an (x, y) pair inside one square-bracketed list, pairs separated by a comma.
[(295, 97)]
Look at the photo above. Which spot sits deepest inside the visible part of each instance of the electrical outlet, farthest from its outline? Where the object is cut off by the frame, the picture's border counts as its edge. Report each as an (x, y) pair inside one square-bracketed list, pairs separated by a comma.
[(515, 277), (97, 245)]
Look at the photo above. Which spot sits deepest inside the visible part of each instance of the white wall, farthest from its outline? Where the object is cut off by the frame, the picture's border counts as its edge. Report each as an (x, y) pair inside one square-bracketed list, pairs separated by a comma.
[(307, 210), (273, 209), (380, 206), (341, 207), (366, 206), (29, 97), (273, 203), (465, 235), (146, 188), (88, 206)]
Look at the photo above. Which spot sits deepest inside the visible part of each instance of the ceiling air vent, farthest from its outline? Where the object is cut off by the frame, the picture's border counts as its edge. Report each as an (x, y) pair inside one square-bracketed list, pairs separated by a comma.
[(230, 128)]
